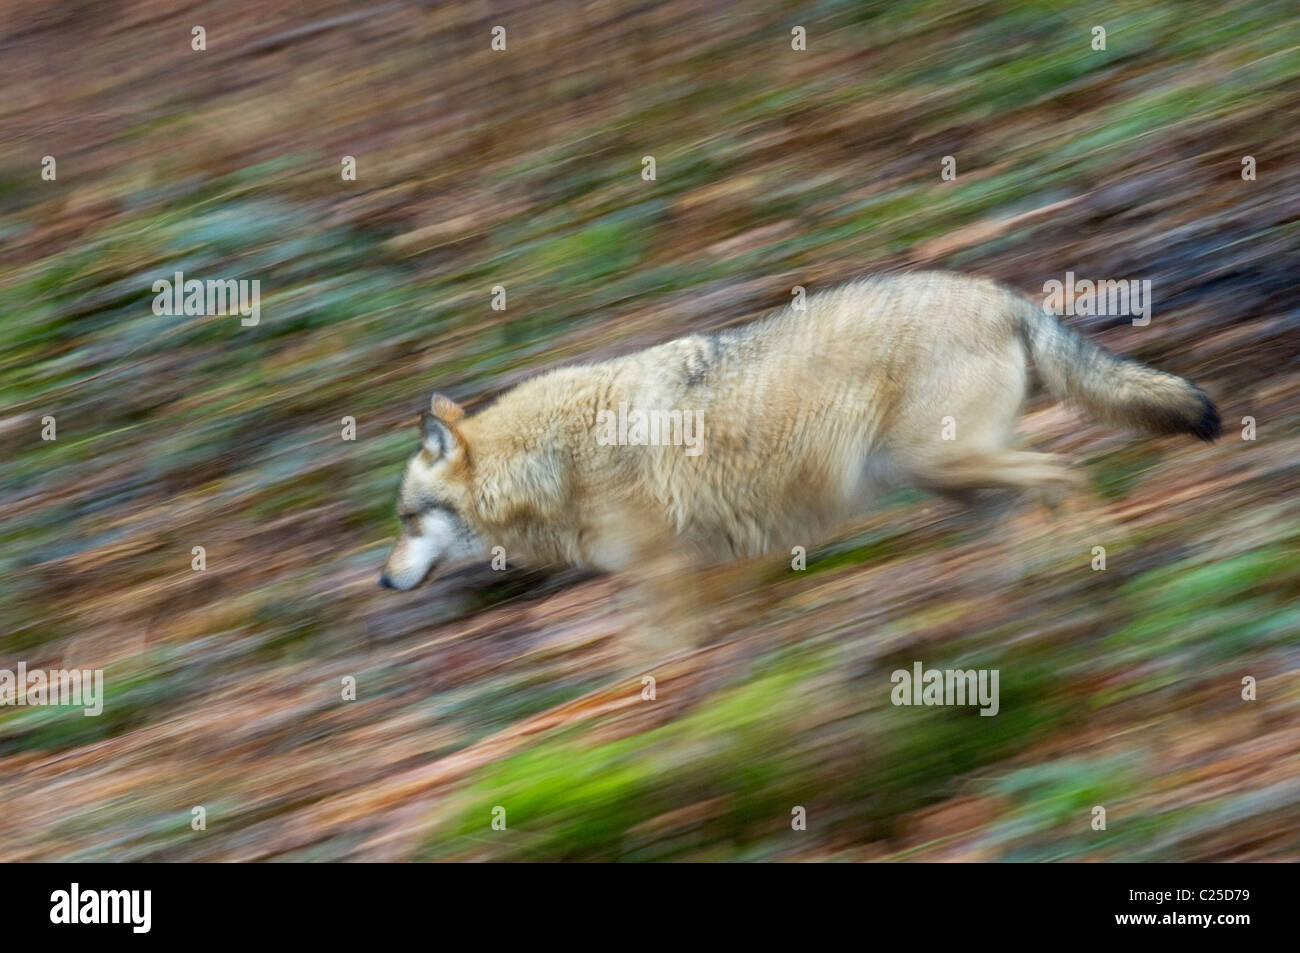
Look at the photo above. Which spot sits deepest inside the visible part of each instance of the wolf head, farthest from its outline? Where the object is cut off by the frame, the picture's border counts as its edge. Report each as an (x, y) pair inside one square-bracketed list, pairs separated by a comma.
[(434, 503)]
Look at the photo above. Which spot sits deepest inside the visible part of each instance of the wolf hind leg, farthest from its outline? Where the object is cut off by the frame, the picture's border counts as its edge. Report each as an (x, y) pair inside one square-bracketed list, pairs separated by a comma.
[(964, 475), (993, 488)]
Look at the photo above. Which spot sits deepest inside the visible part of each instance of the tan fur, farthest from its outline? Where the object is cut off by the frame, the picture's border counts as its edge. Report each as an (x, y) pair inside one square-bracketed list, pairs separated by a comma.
[(807, 416)]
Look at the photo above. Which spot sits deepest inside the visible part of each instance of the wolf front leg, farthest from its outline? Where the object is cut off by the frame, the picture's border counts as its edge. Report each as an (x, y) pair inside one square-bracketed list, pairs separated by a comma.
[(670, 639), (671, 614)]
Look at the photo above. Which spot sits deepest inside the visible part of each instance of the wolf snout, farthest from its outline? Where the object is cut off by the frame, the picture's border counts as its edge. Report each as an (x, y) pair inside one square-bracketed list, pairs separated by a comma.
[(385, 582)]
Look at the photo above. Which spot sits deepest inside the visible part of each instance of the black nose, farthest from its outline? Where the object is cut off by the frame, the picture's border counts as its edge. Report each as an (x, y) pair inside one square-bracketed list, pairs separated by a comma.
[(385, 582)]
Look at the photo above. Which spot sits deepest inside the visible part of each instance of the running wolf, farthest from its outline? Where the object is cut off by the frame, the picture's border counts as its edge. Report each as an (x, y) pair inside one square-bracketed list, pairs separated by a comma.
[(800, 419)]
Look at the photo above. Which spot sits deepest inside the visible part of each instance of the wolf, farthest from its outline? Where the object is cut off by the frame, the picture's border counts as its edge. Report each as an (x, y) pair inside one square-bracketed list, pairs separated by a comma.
[(804, 417)]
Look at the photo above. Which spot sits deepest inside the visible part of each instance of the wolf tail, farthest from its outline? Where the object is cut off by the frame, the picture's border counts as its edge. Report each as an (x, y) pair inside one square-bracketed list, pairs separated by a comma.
[(1117, 390)]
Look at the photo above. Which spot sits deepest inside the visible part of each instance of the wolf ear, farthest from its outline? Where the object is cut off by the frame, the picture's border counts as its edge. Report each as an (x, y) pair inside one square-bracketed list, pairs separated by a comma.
[(438, 438), (437, 427), (446, 409)]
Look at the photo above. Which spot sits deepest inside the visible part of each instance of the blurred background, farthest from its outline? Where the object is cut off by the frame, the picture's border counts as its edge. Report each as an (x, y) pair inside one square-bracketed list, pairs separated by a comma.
[(523, 168)]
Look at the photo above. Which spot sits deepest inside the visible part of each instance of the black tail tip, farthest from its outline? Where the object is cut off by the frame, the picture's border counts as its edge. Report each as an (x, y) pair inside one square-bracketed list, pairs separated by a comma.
[(1208, 427)]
